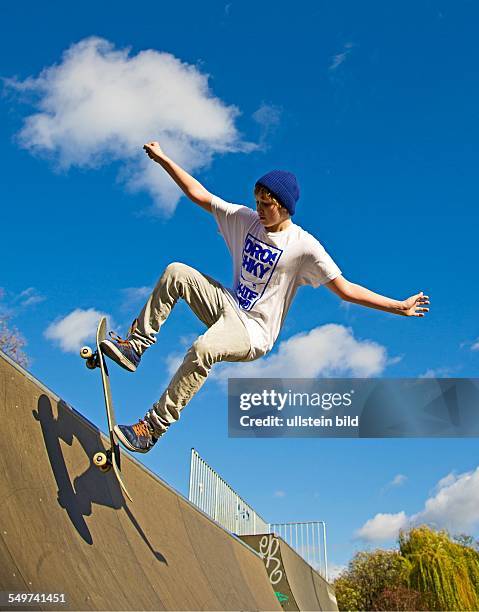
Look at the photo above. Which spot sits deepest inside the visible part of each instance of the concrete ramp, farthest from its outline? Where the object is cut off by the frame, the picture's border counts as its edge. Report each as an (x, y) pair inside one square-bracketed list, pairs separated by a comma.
[(297, 585), (66, 528)]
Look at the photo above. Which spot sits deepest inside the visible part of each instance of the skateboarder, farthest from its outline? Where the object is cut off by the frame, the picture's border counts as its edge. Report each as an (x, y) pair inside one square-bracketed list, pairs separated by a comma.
[(272, 257)]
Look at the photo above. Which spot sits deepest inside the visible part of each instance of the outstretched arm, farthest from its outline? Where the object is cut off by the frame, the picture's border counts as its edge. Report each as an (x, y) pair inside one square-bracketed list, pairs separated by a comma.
[(413, 306), (193, 189)]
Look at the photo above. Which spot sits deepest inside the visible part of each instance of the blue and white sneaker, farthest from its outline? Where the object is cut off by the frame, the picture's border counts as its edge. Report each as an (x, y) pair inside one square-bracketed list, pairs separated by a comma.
[(121, 351), (138, 438)]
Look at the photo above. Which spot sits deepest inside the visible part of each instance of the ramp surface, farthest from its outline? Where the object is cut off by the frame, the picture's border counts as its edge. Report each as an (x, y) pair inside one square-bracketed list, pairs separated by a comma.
[(297, 585), (66, 527)]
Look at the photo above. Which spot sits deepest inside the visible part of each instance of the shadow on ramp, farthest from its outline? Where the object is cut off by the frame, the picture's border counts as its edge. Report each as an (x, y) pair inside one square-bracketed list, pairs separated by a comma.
[(90, 487)]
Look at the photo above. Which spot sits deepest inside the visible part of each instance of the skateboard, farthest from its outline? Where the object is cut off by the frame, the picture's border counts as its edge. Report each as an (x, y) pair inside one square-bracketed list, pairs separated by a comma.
[(105, 461)]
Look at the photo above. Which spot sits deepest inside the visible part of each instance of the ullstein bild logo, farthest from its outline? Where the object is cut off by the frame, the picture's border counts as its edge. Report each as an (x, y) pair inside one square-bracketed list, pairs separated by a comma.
[(258, 264), (353, 407)]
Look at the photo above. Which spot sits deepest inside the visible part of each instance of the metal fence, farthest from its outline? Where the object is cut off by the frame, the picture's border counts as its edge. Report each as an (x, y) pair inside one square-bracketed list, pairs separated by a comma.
[(218, 500), (308, 539), (213, 495)]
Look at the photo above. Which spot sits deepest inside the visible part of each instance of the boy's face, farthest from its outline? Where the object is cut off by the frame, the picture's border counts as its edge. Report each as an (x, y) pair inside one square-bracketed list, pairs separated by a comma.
[(269, 212)]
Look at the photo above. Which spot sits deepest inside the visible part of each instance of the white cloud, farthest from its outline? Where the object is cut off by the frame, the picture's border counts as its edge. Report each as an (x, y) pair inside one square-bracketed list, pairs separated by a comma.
[(280, 493), (99, 104), (173, 362), (437, 373), (133, 295), (74, 330), (398, 480), (382, 527), (340, 58), (446, 481), (453, 506), (14, 303), (30, 297), (268, 118), (335, 570), (323, 351), (472, 344), (187, 340)]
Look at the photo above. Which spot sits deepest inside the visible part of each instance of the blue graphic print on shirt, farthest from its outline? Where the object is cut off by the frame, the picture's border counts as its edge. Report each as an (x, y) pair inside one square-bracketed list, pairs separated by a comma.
[(259, 261)]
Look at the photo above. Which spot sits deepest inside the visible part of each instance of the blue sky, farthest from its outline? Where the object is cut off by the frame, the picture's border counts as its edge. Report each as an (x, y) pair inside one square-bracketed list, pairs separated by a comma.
[(372, 105)]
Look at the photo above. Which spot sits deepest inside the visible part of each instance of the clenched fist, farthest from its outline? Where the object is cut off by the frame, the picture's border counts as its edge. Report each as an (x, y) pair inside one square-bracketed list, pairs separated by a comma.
[(153, 150)]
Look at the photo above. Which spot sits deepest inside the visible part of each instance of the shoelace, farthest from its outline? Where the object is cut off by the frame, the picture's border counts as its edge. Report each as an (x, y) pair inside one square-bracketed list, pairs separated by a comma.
[(116, 338), (142, 429)]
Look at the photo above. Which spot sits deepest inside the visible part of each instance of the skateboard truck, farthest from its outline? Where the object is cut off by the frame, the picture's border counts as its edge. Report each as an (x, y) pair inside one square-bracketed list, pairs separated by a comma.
[(103, 461), (91, 357)]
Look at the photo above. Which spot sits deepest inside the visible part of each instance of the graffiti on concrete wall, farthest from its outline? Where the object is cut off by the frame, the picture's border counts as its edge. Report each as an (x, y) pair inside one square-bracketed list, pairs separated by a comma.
[(269, 550)]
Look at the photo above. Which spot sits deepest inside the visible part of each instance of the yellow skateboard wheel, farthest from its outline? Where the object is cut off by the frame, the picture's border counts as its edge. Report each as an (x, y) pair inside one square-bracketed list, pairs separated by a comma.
[(100, 459)]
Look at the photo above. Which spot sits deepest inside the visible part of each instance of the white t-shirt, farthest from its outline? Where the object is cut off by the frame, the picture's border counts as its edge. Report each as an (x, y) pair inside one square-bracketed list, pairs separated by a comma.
[(268, 267)]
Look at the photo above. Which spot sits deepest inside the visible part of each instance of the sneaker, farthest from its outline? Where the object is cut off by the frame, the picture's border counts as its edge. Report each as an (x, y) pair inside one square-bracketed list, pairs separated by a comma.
[(121, 351), (138, 438)]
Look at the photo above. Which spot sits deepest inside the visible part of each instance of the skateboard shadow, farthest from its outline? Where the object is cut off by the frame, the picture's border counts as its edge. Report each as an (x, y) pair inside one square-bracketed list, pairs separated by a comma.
[(90, 487)]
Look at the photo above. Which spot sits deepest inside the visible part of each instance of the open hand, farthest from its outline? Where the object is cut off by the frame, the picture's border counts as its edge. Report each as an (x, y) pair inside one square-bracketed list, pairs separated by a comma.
[(415, 305), (153, 150)]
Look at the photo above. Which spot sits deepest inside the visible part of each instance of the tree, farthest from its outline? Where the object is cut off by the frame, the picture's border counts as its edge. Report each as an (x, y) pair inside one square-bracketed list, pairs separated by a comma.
[(12, 342), (447, 571), (368, 575), (430, 571), (400, 598)]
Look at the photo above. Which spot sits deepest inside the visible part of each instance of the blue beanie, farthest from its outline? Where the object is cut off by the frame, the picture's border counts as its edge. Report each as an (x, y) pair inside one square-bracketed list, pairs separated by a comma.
[(284, 186)]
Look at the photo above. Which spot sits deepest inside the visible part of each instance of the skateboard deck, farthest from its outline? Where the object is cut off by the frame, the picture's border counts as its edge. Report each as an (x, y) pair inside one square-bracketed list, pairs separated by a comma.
[(112, 457)]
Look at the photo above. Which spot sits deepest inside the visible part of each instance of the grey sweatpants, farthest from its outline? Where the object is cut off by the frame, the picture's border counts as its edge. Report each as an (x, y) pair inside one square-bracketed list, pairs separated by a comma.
[(225, 340)]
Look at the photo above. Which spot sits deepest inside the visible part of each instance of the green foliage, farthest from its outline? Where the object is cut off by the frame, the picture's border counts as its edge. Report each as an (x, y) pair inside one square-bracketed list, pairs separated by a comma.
[(430, 571), (368, 575), (348, 594), (447, 571)]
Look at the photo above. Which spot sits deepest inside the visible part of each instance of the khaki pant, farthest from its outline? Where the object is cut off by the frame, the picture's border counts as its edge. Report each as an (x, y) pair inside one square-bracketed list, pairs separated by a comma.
[(225, 340)]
